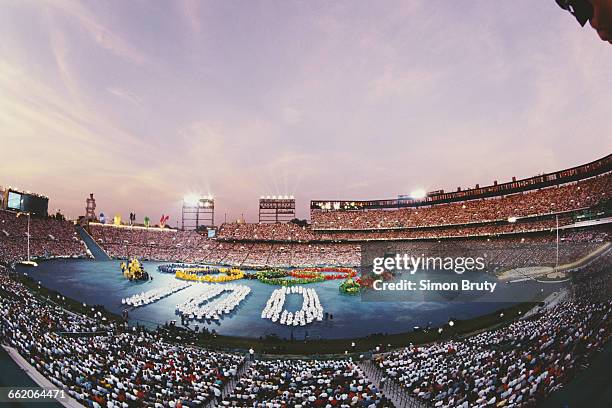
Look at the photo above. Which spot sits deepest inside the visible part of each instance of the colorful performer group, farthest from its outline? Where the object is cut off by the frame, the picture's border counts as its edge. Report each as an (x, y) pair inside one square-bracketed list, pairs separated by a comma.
[(282, 277), (210, 306), (209, 274), (350, 286), (133, 270), (304, 276)]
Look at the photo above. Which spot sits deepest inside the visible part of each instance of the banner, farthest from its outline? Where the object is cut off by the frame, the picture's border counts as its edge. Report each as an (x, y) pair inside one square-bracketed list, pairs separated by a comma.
[(163, 220)]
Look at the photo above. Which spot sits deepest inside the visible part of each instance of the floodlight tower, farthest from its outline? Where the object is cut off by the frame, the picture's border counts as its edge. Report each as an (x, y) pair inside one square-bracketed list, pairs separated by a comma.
[(198, 212), (276, 209)]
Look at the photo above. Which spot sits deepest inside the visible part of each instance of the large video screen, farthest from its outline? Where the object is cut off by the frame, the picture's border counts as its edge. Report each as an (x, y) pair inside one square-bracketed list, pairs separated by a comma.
[(27, 202), (14, 201)]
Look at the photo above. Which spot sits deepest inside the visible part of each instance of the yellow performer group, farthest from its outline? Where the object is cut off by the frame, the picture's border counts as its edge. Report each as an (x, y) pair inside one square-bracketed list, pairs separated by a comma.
[(204, 275), (134, 270)]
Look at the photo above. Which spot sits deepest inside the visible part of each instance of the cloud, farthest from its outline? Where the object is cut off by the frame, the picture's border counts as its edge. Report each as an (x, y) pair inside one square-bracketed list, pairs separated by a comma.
[(190, 11), (292, 116), (60, 51), (125, 95), (344, 101), (49, 135), (102, 35), (401, 82)]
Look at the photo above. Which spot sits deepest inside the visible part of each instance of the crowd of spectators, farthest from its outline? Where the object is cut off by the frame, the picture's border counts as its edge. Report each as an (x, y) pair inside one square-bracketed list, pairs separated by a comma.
[(149, 243), (336, 237), (303, 254), (290, 233), (106, 364), (305, 384), (277, 254), (467, 230), (507, 252), (49, 238), (103, 364), (286, 232), (189, 246), (517, 365), (569, 197), (530, 211), (504, 251)]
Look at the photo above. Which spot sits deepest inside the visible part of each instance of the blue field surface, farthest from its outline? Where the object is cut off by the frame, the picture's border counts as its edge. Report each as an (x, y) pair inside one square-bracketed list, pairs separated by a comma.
[(95, 282)]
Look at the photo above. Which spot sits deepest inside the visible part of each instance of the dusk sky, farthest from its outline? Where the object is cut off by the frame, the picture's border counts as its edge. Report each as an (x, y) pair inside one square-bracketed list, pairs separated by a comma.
[(142, 102)]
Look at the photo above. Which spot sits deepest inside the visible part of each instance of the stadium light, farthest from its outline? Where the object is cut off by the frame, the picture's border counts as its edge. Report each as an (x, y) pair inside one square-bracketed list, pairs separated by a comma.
[(191, 199), (418, 194)]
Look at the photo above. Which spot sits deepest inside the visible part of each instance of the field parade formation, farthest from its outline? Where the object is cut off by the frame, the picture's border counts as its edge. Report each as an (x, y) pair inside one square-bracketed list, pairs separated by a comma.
[(210, 303), (154, 295), (216, 300), (311, 307)]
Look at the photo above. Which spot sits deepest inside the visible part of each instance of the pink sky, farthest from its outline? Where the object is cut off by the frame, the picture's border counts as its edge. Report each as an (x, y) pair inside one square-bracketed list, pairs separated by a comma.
[(144, 102)]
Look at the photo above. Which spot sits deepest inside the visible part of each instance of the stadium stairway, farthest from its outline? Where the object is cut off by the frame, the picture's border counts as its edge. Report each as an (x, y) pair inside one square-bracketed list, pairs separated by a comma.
[(96, 250), (230, 386), (398, 395)]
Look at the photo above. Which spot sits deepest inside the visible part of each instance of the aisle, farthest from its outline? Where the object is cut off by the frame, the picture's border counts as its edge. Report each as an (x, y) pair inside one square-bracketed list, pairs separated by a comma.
[(391, 390)]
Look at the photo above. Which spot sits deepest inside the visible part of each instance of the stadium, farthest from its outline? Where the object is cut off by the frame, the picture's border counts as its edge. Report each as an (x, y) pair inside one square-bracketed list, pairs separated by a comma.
[(323, 204), (209, 298)]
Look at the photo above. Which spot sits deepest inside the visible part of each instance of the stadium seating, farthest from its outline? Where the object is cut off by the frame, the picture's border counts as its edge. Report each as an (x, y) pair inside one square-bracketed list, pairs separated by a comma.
[(517, 365), (102, 365), (517, 250), (49, 238), (553, 200), (149, 243), (305, 383)]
